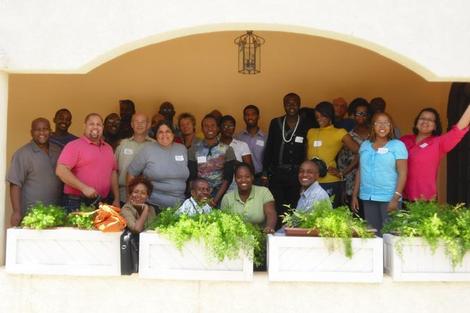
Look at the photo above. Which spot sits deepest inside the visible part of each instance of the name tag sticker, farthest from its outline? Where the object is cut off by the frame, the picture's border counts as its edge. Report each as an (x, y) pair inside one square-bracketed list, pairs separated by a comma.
[(317, 143), (179, 157), (299, 139), (423, 145), (260, 143), (128, 151), (201, 159), (382, 150)]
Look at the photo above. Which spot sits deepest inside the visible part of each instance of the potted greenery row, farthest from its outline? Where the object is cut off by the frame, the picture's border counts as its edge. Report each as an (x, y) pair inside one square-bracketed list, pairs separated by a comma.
[(214, 246), (335, 247), (428, 242), (52, 242)]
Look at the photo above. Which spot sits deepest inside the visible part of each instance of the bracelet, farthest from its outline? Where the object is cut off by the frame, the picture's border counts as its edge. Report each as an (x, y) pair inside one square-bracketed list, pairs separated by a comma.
[(398, 194)]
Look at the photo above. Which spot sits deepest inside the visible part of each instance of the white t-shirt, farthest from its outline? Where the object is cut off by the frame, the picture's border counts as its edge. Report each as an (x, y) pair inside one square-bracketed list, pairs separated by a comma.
[(240, 148)]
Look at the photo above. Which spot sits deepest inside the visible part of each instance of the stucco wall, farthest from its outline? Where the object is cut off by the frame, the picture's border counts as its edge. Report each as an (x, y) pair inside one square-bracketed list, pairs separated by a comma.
[(199, 73), (430, 37)]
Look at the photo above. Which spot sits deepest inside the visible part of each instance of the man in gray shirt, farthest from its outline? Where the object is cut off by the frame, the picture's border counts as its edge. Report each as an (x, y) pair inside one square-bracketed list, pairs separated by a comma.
[(32, 172)]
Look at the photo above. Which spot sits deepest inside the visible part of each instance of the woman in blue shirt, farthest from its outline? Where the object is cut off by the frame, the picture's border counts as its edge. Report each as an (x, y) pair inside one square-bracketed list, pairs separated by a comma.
[(382, 172)]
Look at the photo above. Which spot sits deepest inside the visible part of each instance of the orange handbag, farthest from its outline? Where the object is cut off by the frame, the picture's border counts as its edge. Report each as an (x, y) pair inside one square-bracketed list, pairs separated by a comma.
[(108, 219)]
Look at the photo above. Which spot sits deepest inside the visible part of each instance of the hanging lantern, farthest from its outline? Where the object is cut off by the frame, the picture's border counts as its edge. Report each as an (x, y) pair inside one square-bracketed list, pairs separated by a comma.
[(249, 53)]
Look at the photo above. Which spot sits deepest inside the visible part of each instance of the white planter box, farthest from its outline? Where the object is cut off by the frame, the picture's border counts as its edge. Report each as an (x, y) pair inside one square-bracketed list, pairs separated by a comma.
[(418, 263), (309, 259), (63, 251), (159, 258)]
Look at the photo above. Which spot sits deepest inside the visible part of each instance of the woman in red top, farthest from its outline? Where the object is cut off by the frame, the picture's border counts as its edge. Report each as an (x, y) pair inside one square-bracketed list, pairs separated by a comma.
[(426, 147)]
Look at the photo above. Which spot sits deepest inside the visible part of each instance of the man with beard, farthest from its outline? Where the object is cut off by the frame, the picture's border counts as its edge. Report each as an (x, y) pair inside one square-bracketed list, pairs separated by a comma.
[(112, 123), (284, 152), (61, 135), (212, 160), (31, 176), (87, 167), (254, 138)]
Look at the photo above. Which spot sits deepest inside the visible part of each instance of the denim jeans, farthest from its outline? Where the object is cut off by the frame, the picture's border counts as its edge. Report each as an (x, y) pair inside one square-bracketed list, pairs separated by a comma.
[(72, 203)]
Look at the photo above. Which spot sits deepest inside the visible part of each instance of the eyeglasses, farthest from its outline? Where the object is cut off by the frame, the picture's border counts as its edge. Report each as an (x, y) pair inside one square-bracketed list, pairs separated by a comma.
[(422, 119), (361, 114), (387, 124), (228, 126)]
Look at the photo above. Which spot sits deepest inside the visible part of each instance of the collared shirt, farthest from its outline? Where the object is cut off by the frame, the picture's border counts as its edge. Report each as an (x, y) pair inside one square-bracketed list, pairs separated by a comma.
[(253, 209), (256, 144), (210, 161), (325, 143), (423, 162), (378, 169), (166, 168), (124, 154), (34, 172), (311, 196), (191, 207), (290, 152), (91, 163), (130, 213), (61, 141)]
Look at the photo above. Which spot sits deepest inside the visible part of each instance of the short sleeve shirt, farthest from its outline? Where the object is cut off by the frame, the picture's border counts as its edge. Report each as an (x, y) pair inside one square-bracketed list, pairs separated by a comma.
[(91, 163), (125, 153), (379, 171), (166, 168), (253, 209), (191, 207), (310, 196), (130, 213), (34, 172), (423, 162), (325, 143), (240, 149), (210, 161), (256, 144)]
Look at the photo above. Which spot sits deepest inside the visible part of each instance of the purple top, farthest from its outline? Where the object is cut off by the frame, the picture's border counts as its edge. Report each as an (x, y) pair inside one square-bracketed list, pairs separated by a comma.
[(256, 144)]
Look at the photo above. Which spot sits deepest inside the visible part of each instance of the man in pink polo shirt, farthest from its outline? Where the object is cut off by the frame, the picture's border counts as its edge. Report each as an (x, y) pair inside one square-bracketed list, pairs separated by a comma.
[(87, 167)]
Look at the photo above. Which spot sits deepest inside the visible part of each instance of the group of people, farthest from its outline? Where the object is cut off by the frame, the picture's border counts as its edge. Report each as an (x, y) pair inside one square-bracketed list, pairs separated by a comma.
[(346, 154)]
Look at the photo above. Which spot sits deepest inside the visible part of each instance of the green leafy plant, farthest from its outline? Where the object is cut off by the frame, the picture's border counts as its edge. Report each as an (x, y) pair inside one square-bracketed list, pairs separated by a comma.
[(436, 224), (223, 234), (82, 219), (330, 223), (41, 216)]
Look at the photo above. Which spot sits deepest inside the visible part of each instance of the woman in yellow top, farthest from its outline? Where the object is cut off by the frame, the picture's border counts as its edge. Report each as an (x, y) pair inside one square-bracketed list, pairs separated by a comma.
[(325, 143)]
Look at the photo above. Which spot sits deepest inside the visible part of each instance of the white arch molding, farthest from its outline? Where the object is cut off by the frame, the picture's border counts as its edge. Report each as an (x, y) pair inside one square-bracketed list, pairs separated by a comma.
[(155, 39), (430, 37), (3, 163)]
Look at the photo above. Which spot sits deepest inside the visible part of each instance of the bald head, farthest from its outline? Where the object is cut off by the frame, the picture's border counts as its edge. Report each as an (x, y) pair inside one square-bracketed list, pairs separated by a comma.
[(140, 124), (40, 131), (40, 120)]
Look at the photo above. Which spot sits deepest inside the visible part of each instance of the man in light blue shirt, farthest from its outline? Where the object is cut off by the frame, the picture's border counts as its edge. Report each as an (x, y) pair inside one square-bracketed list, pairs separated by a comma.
[(310, 190), (198, 202)]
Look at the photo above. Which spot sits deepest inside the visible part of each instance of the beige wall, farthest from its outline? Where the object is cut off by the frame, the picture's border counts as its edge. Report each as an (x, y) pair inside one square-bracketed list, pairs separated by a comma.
[(199, 73)]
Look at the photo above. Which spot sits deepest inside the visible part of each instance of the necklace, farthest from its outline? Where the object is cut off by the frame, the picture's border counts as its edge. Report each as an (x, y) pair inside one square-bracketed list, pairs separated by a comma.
[(293, 133)]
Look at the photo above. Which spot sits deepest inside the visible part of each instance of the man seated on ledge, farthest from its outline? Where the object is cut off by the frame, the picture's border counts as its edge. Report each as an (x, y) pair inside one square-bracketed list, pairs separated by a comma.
[(310, 190), (200, 196)]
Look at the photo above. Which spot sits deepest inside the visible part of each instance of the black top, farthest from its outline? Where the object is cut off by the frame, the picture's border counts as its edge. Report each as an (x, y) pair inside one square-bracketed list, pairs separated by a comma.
[(280, 153)]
